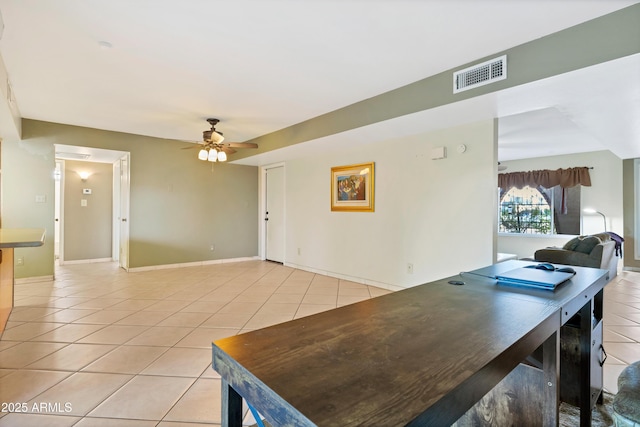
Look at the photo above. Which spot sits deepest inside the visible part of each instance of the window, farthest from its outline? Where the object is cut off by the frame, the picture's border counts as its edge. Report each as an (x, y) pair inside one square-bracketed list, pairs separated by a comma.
[(549, 205), (539, 210), (525, 211)]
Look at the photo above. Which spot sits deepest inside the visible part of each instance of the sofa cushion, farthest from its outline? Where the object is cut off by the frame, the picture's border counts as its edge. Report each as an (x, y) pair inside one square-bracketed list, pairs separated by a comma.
[(571, 244), (583, 244), (587, 244)]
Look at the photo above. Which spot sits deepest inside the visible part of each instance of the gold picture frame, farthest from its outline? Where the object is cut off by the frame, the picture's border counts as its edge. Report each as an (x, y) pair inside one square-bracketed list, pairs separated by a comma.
[(353, 187)]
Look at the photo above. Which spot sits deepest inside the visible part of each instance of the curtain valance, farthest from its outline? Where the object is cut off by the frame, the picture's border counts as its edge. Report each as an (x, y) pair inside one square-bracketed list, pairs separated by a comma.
[(565, 178)]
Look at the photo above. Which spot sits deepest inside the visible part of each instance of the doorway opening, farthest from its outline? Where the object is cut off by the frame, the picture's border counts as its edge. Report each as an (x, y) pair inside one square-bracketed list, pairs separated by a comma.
[(91, 205)]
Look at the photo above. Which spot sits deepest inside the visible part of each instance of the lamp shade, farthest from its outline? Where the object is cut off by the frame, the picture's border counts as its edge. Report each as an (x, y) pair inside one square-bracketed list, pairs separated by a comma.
[(216, 137), (213, 155), (202, 155), (222, 156)]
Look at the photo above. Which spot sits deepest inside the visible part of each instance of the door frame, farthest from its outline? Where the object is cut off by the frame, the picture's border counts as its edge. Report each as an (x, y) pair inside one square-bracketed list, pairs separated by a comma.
[(262, 203), (124, 203), (115, 193), (59, 213)]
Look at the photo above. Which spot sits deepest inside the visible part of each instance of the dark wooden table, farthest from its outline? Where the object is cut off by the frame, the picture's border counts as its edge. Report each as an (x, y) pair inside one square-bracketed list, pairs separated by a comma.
[(421, 356)]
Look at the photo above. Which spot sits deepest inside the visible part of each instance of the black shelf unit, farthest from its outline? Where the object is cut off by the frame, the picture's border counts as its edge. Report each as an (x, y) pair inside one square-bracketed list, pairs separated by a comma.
[(570, 345)]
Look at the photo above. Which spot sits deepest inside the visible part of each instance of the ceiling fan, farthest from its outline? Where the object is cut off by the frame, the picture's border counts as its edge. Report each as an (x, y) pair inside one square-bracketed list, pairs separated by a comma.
[(213, 148)]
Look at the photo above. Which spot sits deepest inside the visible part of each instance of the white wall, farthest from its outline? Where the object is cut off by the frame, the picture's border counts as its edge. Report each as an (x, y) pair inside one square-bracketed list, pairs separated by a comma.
[(604, 195), (10, 123), (439, 215)]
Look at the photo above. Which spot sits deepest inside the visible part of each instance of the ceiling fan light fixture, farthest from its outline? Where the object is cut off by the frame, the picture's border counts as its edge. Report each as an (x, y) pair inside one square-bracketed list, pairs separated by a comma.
[(216, 137), (213, 149)]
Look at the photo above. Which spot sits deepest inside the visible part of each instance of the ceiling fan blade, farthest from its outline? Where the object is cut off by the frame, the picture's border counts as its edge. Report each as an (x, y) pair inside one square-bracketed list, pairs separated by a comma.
[(242, 144), (228, 150)]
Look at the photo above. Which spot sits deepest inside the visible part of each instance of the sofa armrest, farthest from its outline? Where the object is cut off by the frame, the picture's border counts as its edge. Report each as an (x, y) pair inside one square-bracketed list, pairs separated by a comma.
[(606, 251)]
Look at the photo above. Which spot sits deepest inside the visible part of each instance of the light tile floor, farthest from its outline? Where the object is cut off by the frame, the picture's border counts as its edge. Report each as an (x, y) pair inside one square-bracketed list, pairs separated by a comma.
[(102, 347)]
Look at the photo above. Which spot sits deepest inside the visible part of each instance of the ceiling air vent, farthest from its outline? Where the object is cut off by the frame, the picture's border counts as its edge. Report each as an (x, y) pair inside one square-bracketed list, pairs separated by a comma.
[(480, 74)]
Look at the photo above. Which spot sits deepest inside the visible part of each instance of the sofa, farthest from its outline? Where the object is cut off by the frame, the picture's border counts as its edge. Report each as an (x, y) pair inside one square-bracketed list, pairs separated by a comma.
[(597, 250)]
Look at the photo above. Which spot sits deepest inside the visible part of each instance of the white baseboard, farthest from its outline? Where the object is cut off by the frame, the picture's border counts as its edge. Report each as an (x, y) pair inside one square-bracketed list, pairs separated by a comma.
[(354, 279), (85, 261), (192, 264), (36, 279)]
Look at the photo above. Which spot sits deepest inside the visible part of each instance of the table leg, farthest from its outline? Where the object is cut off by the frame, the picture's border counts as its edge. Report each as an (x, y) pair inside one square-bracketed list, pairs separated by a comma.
[(585, 364), (231, 406), (551, 374)]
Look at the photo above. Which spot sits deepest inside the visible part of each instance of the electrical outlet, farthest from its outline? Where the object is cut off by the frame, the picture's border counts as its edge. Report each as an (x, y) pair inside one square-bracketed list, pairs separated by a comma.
[(299, 251), (410, 268), (20, 261), (212, 248)]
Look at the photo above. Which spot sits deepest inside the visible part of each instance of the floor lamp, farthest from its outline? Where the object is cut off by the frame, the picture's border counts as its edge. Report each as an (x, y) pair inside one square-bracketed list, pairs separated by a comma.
[(593, 211)]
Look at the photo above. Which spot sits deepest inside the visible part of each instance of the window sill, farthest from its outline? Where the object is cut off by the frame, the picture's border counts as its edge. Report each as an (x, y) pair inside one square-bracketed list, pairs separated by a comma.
[(539, 236)]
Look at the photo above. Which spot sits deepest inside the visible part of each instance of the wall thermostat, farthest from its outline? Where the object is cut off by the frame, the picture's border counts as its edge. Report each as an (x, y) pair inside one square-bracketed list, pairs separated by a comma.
[(462, 148), (86, 191)]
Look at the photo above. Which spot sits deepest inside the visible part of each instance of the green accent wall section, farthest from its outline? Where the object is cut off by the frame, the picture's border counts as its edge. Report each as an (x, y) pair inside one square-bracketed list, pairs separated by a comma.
[(603, 39), (179, 205), (87, 229), (27, 173)]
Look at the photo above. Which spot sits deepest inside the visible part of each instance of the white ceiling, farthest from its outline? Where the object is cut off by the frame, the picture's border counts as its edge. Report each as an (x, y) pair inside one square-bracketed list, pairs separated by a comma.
[(262, 65)]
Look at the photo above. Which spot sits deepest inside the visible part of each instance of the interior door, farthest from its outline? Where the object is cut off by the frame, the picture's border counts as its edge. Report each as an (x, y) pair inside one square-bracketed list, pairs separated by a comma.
[(58, 203), (124, 212), (115, 214), (274, 214)]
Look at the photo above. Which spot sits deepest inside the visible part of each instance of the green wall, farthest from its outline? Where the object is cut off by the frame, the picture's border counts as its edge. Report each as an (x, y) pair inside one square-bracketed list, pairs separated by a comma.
[(27, 173), (180, 206), (87, 229)]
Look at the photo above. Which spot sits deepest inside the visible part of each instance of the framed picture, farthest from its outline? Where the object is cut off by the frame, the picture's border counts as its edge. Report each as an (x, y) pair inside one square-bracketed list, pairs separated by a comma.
[(352, 188)]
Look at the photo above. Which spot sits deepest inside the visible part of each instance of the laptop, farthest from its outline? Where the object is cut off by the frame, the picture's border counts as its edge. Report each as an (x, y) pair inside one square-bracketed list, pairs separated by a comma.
[(534, 278)]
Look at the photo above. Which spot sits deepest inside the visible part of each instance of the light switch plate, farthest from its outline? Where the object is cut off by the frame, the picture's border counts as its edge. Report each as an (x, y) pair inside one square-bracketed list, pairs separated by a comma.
[(438, 153)]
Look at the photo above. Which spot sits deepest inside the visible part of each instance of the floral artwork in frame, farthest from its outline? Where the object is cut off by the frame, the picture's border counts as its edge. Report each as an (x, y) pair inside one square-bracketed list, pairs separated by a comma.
[(352, 188)]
